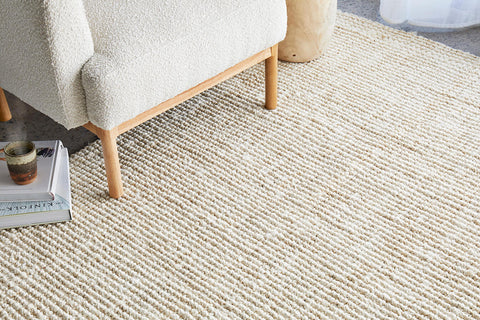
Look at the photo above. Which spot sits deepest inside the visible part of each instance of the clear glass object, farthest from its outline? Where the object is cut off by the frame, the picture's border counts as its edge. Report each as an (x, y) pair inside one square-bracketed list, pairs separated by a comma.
[(431, 14)]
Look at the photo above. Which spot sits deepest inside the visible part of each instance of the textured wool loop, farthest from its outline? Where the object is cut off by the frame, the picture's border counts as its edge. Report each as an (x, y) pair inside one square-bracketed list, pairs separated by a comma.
[(357, 198)]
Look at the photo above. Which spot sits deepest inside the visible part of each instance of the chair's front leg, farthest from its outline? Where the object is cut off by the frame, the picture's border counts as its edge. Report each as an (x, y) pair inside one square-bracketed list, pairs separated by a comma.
[(271, 75), (112, 164), (5, 114)]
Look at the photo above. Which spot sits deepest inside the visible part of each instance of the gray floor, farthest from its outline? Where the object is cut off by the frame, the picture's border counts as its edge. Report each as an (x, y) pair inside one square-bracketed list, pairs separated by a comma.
[(28, 123)]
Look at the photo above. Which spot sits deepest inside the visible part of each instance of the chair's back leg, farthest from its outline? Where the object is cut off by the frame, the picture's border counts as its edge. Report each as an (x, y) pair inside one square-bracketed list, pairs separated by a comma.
[(112, 164), (5, 114), (271, 74)]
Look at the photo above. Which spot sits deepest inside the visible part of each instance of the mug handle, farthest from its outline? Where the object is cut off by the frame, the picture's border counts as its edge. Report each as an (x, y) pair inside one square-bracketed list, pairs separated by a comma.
[(1, 150)]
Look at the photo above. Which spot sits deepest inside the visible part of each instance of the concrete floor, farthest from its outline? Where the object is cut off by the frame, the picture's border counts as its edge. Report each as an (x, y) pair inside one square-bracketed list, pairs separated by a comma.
[(28, 123)]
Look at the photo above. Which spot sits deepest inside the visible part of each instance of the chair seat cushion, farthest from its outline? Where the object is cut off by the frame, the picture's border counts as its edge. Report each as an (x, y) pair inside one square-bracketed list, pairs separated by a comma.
[(149, 51)]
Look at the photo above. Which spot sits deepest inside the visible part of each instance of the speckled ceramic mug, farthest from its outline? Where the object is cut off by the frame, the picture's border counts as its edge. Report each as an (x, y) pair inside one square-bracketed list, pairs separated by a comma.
[(21, 158)]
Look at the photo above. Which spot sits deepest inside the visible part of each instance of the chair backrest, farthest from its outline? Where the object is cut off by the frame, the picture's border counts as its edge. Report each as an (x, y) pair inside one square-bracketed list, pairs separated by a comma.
[(43, 46)]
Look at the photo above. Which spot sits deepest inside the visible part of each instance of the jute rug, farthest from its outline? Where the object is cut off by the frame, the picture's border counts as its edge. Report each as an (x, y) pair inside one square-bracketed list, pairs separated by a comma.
[(358, 198)]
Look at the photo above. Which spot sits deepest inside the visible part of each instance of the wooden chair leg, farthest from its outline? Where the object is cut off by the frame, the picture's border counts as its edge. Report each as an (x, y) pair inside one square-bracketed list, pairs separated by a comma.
[(271, 75), (112, 164), (5, 114)]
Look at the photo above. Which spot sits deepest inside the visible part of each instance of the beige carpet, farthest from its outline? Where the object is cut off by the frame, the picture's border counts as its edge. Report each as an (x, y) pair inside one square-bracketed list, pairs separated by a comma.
[(358, 198)]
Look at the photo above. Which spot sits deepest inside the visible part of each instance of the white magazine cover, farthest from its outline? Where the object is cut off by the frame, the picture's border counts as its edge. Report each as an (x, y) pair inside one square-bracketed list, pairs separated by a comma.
[(16, 214), (43, 188)]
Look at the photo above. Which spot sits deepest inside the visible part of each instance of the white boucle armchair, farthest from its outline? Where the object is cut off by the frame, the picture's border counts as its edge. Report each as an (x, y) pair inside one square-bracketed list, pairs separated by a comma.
[(110, 65)]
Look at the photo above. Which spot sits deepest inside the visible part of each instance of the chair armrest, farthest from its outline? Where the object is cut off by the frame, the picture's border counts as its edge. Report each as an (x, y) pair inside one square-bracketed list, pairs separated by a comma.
[(43, 47)]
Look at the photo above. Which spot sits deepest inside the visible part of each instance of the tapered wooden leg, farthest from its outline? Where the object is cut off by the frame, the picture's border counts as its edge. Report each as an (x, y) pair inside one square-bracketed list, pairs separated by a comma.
[(112, 164), (5, 114), (271, 74)]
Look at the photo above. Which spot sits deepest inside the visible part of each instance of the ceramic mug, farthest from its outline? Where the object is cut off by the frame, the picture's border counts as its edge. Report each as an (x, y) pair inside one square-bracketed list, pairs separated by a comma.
[(21, 158)]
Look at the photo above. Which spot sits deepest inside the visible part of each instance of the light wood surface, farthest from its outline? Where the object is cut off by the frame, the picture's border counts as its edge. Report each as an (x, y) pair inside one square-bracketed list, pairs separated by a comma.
[(112, 164), (5, 114), (91, 127), (271, 78), (108, 137), (310, 27)]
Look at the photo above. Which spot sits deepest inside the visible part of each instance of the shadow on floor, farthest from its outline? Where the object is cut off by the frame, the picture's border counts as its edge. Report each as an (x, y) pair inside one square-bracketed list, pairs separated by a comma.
[(27, 123)]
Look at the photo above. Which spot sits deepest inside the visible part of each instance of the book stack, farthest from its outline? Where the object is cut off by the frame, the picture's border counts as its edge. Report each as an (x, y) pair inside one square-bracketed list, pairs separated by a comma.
[(47, 199)]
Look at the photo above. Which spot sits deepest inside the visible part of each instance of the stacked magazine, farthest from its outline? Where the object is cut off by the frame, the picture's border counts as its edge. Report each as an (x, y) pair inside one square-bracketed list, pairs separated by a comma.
[(47, 199)]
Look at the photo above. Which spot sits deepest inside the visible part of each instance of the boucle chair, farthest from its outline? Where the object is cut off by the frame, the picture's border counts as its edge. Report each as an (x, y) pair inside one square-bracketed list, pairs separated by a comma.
[(110, 65)]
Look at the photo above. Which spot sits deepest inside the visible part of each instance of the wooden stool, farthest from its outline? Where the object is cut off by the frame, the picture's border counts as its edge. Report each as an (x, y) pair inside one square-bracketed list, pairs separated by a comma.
[(310, 27)]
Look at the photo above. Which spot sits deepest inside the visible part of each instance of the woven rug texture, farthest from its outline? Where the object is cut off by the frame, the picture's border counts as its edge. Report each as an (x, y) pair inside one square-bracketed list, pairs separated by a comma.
[(358, 198)]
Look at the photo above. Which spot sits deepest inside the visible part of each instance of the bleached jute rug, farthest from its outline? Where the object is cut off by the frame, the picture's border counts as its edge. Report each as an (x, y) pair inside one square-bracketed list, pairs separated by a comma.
[(358, 198)]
